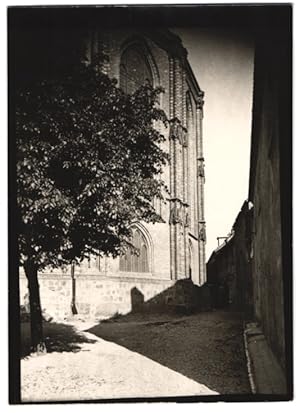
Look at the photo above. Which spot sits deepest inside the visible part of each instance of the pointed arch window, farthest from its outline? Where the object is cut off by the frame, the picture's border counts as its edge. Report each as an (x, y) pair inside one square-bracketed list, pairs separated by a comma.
[(130, 262), (134, 70)]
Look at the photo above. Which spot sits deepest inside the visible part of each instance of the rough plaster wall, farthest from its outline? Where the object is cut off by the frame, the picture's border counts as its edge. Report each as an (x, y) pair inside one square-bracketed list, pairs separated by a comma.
[(267, 265), (244, 296)]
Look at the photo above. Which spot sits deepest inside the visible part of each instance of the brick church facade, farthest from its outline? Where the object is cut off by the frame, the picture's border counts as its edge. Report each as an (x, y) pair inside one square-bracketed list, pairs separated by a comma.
[(173, 249)]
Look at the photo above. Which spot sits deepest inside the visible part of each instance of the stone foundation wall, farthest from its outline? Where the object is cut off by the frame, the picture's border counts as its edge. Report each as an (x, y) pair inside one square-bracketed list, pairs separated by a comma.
[(96, 296)]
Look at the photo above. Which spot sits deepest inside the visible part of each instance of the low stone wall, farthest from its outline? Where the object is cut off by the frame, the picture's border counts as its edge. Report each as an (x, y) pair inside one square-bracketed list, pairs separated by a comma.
[(96, 296)]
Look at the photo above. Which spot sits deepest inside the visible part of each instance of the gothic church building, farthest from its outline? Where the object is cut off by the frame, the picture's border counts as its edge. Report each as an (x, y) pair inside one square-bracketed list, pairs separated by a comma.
[(170, 250)]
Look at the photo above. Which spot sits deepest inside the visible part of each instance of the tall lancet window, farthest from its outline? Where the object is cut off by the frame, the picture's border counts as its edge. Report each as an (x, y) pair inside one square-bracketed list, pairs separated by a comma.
[(134, 70), (131, 262)]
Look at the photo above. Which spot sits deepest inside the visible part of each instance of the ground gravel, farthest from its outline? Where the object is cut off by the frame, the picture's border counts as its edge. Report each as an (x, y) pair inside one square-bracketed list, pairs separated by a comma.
[(140, 356)]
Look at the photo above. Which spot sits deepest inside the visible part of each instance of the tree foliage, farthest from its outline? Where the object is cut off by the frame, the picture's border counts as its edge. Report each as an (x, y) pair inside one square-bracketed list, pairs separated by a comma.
[(88, 165)]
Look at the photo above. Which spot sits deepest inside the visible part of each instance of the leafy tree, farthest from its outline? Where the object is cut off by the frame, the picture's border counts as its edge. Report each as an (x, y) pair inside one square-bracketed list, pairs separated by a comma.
[(88, 166)]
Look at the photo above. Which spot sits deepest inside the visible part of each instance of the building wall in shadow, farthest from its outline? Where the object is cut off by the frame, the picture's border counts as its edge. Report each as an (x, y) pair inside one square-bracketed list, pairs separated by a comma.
[(229, 268), (270, 188), (255, 263), (183, 297)]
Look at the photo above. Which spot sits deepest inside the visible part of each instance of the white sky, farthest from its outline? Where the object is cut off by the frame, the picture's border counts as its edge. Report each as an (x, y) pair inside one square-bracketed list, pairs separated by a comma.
[(222, 62)]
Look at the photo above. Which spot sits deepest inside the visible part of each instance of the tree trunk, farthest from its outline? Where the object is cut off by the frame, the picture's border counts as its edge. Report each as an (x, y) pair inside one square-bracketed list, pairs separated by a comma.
[(36, 319)]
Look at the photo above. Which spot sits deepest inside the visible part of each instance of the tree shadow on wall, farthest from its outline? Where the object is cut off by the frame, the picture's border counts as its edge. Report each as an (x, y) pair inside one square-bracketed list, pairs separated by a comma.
[(176, 329), (59, 337)]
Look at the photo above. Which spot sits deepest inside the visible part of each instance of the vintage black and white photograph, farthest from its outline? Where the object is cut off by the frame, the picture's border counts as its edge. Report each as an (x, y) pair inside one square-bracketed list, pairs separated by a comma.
[(150, 191)]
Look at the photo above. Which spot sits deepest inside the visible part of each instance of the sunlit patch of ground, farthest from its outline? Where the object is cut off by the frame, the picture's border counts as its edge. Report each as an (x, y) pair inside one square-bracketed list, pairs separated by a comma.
[(142, 356), (102, 370)]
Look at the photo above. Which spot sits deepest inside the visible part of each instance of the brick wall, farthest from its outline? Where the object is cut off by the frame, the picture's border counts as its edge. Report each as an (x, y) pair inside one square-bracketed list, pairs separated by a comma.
[(170, 239)]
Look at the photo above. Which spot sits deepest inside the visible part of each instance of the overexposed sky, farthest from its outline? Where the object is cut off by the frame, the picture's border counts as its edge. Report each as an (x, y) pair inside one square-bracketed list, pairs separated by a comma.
[(222, 61)]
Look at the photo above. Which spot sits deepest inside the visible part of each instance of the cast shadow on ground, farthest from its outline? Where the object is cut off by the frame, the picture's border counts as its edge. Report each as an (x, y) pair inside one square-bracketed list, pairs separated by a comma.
[(167, 330), (58, 337)]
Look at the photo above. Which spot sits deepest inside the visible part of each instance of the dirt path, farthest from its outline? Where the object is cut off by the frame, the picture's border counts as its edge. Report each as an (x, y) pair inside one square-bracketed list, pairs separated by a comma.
[(206, 347), (141, 357)]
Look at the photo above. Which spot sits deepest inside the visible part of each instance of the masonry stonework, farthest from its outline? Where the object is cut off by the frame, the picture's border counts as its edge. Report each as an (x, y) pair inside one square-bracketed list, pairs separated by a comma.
[(174, 248)]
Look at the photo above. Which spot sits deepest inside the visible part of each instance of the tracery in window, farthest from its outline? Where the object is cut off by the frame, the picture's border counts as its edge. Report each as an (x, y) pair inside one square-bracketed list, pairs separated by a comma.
[(131, 262), (134, 70)]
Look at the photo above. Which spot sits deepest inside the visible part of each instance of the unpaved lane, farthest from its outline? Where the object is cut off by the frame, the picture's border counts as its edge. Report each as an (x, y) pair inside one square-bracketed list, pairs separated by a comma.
[(101, 370), (206, 347), (143, 356)]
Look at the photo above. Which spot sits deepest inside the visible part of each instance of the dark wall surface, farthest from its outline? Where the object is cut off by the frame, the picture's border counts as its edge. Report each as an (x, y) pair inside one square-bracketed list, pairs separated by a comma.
[(270, 189), (229, 269), (258, 256)]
